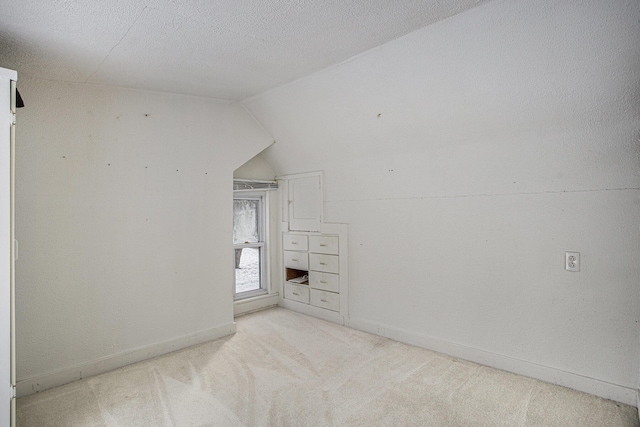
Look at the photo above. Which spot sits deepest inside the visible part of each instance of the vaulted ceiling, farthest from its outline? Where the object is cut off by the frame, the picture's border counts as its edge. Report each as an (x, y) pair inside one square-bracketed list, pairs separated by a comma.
[(226, 49)]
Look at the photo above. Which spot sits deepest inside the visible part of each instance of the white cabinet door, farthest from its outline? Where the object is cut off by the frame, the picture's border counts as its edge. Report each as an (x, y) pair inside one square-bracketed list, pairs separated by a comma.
[(305, 202)]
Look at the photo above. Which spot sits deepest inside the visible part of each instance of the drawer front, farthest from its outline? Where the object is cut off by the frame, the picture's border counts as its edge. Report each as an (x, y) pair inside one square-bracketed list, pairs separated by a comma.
[(297, 260), (326, 263), (324, 281), (324, 244), (295, 242), (327, 300), (298, 293)]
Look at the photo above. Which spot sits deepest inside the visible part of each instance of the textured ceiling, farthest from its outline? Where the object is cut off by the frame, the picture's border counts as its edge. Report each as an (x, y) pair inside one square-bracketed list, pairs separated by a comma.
[(227, 49)]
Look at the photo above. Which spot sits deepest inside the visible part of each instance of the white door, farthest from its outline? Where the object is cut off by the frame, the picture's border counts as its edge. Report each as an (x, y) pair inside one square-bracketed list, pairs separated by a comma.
[(7, 123), (305, 203)]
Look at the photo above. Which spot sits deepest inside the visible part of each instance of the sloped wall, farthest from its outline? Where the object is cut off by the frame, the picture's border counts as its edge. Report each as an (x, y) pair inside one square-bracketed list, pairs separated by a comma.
[(124, 219), (467, 157), (256, 168)]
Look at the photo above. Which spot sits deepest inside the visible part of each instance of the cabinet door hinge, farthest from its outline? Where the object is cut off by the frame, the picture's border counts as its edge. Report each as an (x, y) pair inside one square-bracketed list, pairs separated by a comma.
[(13, 392), (12, 119)]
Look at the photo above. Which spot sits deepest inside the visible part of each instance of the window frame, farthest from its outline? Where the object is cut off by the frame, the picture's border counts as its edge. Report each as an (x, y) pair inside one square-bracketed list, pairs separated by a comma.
[(261, 197)]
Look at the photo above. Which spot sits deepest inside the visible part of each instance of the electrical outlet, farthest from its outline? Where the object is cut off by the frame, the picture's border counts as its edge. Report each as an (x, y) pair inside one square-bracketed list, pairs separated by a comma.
[(572, 261)]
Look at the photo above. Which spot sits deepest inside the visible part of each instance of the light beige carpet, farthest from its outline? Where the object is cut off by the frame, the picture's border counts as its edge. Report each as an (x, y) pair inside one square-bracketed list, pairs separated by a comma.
[(285, 369)]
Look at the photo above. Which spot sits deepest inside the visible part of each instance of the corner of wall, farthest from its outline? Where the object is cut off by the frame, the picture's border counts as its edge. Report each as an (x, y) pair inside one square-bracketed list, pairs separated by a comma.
[(499, 361), (108, 363)]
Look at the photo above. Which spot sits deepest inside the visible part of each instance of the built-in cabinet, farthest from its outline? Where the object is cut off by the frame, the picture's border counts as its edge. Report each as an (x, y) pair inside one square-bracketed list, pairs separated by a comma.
[(303, 211), (314, 253), (315, 271)]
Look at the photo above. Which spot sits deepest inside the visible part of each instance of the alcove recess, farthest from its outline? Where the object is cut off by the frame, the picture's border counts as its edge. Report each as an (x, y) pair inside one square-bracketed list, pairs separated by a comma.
[(314, 253)]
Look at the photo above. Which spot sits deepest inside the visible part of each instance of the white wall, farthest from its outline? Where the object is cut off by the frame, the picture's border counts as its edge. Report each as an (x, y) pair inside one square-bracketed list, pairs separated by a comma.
[(467, 157), (256, 168), (6, 239), (124, 218)]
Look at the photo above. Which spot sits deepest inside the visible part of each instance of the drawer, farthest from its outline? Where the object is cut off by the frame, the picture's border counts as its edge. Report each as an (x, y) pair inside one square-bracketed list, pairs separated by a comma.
[(295, 242), (326, 263), (297, 260), (327, 300), (324, 244), (298, 293), (324, 281)]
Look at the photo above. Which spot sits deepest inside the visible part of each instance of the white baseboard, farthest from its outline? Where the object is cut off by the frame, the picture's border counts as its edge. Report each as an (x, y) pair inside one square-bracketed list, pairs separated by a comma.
[(108, 363), (593, 386), (250, 305), (321, 313)]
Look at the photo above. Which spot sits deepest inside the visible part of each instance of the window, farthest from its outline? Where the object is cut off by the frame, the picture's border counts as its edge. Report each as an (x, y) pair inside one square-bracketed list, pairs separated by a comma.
[(249, 244)]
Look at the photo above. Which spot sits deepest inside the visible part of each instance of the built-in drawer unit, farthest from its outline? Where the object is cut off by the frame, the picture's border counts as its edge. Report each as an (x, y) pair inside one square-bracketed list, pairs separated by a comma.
[(314, 276), (324, 263), (295, 242), (324, 281), (323, 244), (327, 300), (298, 293), (297, 260)]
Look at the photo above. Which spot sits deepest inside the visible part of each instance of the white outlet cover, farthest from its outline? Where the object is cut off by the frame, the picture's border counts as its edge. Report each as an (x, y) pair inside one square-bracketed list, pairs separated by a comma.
[(572, 261)]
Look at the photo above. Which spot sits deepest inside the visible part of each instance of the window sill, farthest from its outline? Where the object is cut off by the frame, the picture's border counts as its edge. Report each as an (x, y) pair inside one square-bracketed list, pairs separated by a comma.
[(249, 294)]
